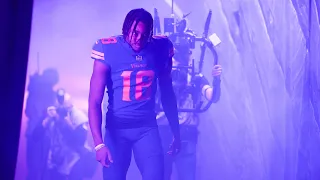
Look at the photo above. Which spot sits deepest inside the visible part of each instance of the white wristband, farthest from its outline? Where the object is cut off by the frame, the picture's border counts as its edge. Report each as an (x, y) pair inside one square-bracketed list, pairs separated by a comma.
[(99, 146)]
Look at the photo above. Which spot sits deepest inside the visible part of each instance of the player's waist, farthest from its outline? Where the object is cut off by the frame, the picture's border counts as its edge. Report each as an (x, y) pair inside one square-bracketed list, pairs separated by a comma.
[(130, 120), (130, 117)]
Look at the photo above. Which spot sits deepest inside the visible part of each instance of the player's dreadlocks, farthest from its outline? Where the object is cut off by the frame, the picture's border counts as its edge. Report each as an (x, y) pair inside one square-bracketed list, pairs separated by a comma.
[(138, 15)]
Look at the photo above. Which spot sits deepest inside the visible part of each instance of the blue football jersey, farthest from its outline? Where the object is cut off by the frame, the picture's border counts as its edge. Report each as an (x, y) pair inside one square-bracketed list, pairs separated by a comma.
[(132, 83)]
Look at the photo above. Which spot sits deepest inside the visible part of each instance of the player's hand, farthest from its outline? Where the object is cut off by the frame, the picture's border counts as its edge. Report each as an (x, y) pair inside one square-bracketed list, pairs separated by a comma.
[(103, 155), (216, 70), (175, 147)]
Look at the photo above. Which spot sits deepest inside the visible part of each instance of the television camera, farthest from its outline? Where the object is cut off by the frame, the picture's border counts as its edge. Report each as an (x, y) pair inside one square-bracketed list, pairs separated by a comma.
[(61, 109), (184, 41)]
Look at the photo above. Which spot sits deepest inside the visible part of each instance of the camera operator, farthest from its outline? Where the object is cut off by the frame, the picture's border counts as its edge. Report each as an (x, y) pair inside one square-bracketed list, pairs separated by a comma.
[(40, 95), (185, 160), (64, 130)]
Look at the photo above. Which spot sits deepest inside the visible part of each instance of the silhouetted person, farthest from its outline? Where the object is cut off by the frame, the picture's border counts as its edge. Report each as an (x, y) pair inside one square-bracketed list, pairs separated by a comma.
[(40, 96)]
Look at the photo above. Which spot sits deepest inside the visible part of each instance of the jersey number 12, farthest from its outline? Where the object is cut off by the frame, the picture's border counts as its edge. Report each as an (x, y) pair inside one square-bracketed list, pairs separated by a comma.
[(140, 84)]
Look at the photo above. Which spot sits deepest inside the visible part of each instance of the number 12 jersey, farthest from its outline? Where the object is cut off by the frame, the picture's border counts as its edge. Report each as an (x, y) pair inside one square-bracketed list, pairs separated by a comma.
[(132, 79)]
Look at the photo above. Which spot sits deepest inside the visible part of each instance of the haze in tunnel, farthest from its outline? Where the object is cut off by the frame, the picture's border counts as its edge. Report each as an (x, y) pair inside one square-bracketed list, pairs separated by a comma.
[(266, 124)]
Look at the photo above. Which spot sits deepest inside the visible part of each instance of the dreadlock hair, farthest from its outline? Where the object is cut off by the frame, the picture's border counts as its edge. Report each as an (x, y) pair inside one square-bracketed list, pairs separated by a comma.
[(138, 15)]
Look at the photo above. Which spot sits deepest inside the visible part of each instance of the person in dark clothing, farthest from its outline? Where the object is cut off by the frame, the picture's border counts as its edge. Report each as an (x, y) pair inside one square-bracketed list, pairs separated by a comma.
[(185, 161), (64, 133), (40, 96)]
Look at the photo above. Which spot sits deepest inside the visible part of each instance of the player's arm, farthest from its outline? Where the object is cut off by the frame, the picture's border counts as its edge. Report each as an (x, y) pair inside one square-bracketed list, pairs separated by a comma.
[(97, 86), (168, 98)]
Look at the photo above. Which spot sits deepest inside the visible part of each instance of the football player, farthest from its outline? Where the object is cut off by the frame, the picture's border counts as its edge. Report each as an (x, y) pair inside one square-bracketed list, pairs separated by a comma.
[(130, 65)]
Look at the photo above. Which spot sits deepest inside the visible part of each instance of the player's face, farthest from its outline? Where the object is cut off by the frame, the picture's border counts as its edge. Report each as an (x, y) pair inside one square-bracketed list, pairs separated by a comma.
[(138, 36)]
